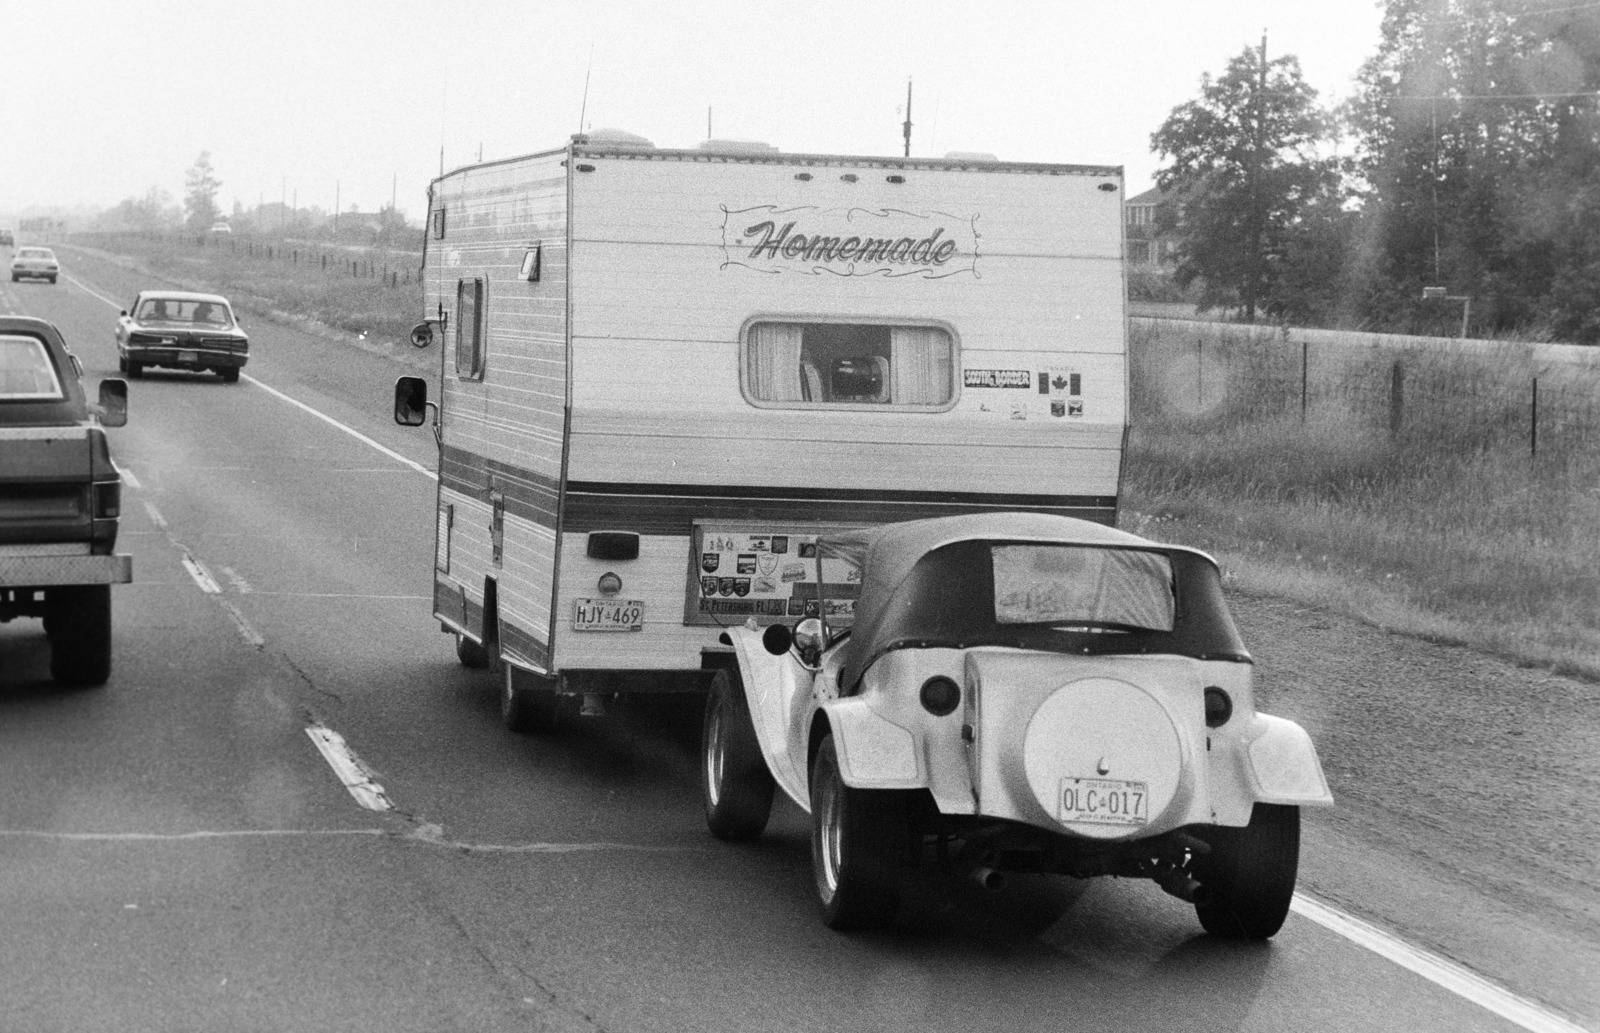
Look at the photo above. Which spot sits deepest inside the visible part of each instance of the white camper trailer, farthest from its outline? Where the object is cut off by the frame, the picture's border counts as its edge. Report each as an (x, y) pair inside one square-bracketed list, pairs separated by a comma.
[(664, 372)]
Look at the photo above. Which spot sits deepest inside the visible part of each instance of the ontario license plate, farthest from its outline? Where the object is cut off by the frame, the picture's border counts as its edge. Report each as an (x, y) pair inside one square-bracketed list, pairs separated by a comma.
[(607, 615), (188, 356), (1104, 801)]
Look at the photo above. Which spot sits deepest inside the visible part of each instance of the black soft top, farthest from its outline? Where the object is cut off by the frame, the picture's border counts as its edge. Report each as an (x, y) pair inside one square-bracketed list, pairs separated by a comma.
[(930, 583)]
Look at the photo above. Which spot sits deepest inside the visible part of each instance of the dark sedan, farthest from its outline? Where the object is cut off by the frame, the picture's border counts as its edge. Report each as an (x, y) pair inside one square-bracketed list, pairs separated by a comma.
[(181, 330)]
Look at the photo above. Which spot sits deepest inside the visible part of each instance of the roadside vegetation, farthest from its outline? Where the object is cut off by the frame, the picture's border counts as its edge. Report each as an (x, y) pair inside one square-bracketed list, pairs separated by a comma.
[(1446, 525), (369, 293)]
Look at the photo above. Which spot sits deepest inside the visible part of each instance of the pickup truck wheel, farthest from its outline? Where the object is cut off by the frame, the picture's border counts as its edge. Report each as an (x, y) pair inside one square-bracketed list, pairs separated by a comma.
[(526, 709), (735, 784), (858, 847), (1250, 873), (470, 653), (80, 643)]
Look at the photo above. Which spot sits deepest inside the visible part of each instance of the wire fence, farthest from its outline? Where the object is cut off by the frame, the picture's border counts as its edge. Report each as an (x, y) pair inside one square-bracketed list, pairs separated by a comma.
[(390, 267), (1438, 393)]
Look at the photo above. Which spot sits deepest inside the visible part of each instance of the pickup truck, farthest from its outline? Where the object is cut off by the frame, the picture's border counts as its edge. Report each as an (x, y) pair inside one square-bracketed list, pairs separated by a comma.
[(60, 499)]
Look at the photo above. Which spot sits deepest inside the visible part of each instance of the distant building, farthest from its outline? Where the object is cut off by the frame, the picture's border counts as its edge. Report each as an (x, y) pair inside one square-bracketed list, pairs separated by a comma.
[(1146, 245)]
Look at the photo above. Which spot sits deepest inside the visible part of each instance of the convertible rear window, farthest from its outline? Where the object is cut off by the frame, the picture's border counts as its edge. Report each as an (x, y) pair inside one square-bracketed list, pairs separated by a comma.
[(837, 365), (26, 372), (1074, 586)]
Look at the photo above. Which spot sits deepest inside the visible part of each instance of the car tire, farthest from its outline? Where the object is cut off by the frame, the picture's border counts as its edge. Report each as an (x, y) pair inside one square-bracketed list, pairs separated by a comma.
[(471, 654), (229, 375), (735, 784), (1249, 875), (527, 709), (52, 279), (80, 635), (15, 278), (135, 370), (859, 847), (122, 364)]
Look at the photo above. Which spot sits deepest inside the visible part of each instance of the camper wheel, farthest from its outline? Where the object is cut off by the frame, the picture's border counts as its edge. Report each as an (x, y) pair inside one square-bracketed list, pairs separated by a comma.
[(470, 653), (526, 703)]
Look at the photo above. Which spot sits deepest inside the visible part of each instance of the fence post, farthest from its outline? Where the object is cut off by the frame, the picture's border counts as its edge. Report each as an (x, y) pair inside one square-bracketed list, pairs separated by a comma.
[(1305, 362), (1199, 371), (1533, 421), (1397, 397)]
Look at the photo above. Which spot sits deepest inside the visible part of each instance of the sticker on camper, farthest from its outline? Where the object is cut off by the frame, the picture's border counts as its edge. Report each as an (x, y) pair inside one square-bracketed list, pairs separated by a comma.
[(746, 563), (751, 572), (767, 562), (763, 586), (709, 561), (793, 572), (997, 378)]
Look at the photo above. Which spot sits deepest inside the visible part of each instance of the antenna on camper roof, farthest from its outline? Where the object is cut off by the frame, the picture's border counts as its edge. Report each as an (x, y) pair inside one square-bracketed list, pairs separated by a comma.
[(907, 125), (584, 111)]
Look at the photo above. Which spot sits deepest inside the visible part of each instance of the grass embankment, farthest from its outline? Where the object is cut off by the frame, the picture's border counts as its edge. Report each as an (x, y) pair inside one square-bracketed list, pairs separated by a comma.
[(366, 292), (1446, 526)]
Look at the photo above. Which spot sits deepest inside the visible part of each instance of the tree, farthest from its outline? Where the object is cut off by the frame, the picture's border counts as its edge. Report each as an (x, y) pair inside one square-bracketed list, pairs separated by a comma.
[(1479, 144), (1247, 177), (200, 201)]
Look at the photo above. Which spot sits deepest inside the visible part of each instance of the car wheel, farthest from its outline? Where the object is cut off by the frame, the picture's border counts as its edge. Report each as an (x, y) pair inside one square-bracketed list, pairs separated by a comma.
[(1250, 874), (526, 709), (734, 781), (135, 370), (15, 277), (80, 635), (858, 847), (470, 653), (52, 279), (122, 364), (229, 375)]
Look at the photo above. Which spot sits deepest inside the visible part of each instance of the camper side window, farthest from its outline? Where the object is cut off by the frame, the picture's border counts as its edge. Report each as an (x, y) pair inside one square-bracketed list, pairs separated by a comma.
[(469, 329), (844, 365)]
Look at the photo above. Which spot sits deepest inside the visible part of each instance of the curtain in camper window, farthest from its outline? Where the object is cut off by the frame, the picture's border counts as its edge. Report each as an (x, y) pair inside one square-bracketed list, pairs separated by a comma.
[(774, 362), (921, 365)]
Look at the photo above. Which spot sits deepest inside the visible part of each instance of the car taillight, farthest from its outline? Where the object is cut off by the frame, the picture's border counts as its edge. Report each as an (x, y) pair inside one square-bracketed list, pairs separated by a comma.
[(107, 500), (940, 695), (1218, 707)]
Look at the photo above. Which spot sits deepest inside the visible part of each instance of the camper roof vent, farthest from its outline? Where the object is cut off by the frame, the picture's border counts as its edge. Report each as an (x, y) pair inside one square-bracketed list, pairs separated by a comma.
[(737, 147), (616, 138), (969, 156)]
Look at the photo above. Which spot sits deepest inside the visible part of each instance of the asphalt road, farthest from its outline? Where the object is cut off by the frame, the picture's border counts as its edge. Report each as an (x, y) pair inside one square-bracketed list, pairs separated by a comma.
[(176, 853)]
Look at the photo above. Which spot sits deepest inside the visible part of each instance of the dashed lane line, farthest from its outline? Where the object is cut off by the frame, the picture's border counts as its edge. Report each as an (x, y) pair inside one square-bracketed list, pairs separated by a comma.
[(348, 767), (201, 575)]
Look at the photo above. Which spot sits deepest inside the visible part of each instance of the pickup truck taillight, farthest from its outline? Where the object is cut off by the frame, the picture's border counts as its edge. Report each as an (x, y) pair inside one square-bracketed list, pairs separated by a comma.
[(106, 497)]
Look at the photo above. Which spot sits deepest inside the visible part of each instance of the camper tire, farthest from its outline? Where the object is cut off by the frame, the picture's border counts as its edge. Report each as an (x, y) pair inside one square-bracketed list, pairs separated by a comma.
[(470, 653), (1250, 874), (735, 784), (80, 635), (527, 708)]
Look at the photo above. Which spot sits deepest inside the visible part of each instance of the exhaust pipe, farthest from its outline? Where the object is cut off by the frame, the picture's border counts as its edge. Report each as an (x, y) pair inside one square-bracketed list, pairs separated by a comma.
[(1182, 885), (986, 878)]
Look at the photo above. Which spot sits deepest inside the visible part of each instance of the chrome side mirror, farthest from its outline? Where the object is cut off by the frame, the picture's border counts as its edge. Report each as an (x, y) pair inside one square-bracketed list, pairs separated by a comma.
[(113, 403)]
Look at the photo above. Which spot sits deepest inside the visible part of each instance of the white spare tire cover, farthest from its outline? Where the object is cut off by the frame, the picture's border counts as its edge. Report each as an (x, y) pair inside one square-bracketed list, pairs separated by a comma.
[(1102, 758)]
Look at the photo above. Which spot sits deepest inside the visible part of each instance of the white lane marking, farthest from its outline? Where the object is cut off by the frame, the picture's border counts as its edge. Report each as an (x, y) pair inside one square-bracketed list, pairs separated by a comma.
[(349, 768), (428, 834), (164, 837), (155, 514), (127, 475), (340, 595), (391, 453), (1453, 977), (250, 635), (201, 575), (90, 290)]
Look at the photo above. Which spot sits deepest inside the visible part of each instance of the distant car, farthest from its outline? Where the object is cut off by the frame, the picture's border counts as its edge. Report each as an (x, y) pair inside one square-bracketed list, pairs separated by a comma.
[(6, 238), (181, 330), (221, 226), (1014, 692), (34, 262)]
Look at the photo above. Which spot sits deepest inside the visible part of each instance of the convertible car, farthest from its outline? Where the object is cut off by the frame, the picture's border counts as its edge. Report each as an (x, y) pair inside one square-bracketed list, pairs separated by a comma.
[(1014, 692)]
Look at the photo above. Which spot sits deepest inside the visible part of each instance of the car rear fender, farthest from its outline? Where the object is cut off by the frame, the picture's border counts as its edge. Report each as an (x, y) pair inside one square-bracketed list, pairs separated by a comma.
[(1282, 765), (874, 752), (778, 691)]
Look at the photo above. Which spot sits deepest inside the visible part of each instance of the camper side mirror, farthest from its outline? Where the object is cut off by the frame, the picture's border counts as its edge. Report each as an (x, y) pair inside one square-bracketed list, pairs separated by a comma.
[(411, 401), (113, 403)]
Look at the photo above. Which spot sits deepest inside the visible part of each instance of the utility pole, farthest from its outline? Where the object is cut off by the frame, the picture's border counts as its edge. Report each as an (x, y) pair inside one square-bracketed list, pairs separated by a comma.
[(708, 121), (906, 128), (283, 203), (1257, 221), (336, 209)]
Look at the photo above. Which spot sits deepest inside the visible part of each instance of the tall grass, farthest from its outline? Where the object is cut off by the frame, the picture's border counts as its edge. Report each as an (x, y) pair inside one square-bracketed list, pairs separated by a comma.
[(348, 289), (1446, 524)]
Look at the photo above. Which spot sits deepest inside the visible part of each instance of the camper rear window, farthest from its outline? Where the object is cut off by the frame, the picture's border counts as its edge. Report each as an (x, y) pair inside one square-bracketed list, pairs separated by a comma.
[(839, 365)]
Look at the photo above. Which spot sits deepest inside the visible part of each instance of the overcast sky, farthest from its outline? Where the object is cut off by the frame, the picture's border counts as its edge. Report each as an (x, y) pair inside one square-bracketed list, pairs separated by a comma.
[(104, 99)]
